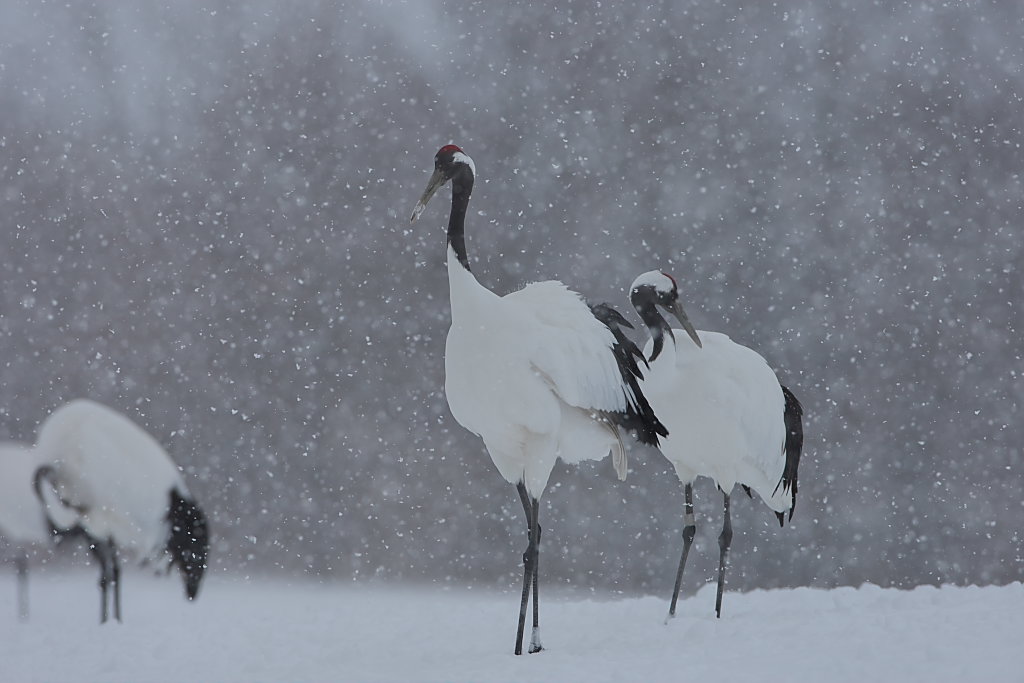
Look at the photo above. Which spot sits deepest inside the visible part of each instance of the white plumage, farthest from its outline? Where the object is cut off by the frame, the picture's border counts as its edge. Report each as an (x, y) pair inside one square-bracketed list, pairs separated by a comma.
[(537, 374), (723, 406), (728, 417), (529, 372), (22, 521), (105, 477)]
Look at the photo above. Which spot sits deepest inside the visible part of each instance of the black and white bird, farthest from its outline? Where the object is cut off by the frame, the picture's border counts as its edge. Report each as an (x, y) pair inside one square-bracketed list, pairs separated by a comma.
[(22, 521), (729, 417), (105, 478), (537, 374)]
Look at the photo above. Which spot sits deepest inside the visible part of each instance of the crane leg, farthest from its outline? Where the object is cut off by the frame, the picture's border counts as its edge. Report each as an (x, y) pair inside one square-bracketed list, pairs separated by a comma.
[(21, 563), (535, 644), (110, 576), (99, 549), (689, 531), (531, 508), (115, 574), (724, 541)]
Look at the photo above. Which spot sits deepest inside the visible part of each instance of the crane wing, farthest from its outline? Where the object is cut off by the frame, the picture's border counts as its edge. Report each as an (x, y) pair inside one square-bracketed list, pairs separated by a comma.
[(571, 349), (585, 357)]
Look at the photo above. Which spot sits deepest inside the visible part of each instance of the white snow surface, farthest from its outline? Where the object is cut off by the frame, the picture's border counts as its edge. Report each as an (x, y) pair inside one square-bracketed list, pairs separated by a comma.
[(274, 631)]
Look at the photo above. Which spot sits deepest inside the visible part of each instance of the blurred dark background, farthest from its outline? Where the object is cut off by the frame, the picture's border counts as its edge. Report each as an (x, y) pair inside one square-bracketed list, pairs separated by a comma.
[(204, 223)]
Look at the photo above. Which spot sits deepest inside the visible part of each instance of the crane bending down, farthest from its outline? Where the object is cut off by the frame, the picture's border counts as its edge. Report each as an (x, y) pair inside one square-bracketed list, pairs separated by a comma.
[(537, 374), (728, 416), (105, 478)]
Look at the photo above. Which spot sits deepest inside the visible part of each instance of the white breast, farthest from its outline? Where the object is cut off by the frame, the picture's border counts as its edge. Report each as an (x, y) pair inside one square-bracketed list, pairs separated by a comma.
[(723, 407), (526, 372)]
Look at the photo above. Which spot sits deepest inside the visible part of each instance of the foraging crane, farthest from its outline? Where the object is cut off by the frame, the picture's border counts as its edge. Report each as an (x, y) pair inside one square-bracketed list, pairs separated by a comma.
[(104, 477), (22, 520), (729, 417), (537, 374)]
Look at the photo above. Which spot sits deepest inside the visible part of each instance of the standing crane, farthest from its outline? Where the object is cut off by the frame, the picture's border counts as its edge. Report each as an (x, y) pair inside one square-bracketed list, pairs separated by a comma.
[(729, 417), (537, 374), (105, 478)]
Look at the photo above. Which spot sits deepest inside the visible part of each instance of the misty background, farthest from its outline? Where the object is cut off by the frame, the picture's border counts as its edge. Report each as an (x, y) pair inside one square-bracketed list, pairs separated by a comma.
[(204, 223)]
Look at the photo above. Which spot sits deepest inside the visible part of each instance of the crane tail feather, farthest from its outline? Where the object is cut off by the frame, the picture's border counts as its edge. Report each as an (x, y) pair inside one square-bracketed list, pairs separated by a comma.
[(793, 418), (618, 453), (618, 448)]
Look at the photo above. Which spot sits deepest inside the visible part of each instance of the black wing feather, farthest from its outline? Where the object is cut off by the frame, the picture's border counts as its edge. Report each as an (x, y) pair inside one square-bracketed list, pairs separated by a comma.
[(793, 417), (638, 418)]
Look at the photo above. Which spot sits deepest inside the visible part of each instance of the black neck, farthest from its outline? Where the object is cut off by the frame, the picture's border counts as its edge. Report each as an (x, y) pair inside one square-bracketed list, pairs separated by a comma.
[(655, 322), (189, 540), (462, 187)]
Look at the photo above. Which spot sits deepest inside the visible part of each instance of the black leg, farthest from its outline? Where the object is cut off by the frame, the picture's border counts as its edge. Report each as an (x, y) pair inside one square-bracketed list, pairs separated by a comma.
[(116, 580), (535, 644), (99, 550), (22, 566), (724, 541), (527, 565), (689, 530), (110, 577)]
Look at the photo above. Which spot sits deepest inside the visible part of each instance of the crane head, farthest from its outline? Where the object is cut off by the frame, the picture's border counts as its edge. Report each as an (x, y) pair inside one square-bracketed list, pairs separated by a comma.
[(188, 542), (657, 289), (449, 162)]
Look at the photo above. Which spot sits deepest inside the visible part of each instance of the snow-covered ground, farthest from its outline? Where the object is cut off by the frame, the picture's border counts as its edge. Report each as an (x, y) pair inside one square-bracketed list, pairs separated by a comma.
[(264, 631)]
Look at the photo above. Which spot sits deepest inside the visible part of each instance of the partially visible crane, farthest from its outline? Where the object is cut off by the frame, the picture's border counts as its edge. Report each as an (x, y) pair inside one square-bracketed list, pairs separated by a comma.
[(102, 476), (22, 520)]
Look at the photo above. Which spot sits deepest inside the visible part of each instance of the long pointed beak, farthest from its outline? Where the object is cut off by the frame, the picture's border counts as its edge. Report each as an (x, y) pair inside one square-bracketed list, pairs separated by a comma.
[(681, 316), (436, 181)]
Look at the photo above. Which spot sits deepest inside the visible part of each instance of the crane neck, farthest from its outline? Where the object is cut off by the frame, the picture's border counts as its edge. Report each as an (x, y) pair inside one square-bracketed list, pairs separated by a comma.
[(656, 323), (462, 187)]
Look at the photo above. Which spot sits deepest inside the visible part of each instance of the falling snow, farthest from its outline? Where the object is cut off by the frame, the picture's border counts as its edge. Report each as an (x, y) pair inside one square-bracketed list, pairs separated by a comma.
[(205, 225)]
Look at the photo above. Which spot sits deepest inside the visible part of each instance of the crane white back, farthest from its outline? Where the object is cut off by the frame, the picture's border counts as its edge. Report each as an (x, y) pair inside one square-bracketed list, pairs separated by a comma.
[(105, 477), (22, 520), (728, 416), (538, 374)]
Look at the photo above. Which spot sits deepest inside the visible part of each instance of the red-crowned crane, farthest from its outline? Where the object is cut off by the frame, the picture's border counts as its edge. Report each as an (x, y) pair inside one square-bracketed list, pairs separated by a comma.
[(22, 520), (104, 477), (729, 417), (537, 374)]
